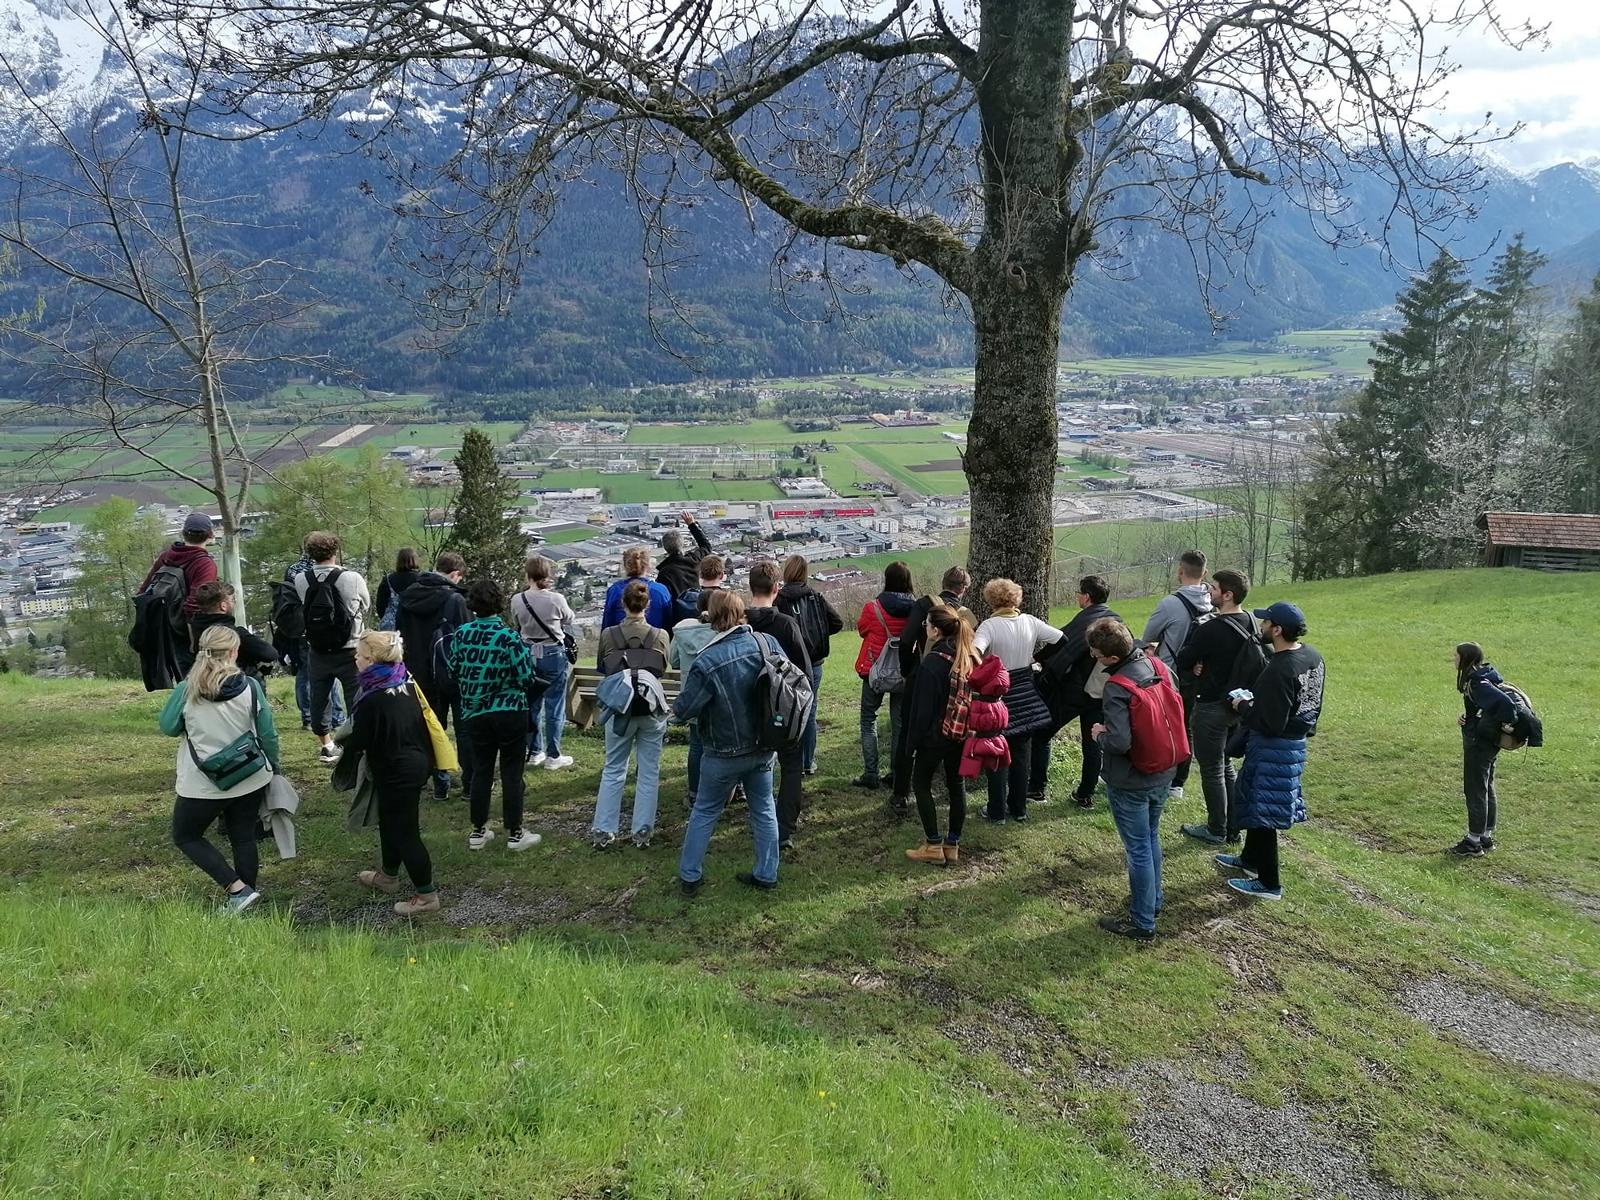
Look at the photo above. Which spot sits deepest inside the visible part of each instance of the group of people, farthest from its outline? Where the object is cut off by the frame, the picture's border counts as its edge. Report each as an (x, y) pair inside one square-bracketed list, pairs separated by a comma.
[(1207, 683)]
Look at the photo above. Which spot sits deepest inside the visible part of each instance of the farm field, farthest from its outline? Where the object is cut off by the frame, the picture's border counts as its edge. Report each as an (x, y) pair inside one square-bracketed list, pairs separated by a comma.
[(643, 488), (1402, 1025)]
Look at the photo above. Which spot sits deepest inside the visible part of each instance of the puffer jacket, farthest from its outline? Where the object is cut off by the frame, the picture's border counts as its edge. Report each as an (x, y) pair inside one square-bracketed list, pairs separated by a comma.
[(1029, 713), (985, 747), (1267, 793), (882, 620)]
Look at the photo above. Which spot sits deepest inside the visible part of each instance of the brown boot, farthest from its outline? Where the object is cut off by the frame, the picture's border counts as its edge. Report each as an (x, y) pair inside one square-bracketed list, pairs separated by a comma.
[(378, 881), (932, 852), (422, 902), (952, 853)]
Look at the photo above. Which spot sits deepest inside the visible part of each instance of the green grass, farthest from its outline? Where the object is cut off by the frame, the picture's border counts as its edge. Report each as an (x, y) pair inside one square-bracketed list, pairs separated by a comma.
[(593, 1030)]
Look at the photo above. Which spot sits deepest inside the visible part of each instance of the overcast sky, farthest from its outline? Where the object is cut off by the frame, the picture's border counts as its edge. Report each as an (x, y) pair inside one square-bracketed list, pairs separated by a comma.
[(1555, 92)]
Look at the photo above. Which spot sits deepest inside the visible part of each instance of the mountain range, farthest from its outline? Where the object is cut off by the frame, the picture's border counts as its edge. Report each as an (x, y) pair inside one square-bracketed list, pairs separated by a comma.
[(582, 317)]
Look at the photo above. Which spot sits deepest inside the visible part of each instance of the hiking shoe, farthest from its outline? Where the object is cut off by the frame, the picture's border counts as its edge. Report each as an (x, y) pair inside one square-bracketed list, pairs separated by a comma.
[(1122, 927), (1232, 862), (599, 839), (1487, 842), (641, 838), (1202, 833), (690, 888), (952, 852), (1467, 848), (559, 763), (1254, 889), (749, 880), (870, 782), (929, 852), (237, 902), (441, 786), (1175, 793), (479, 838), (422, 902), (900, 806), (378, 881), (538, 760), (1083, 801), (1038, 798), (786, 848), (329, 754), (523, 839)]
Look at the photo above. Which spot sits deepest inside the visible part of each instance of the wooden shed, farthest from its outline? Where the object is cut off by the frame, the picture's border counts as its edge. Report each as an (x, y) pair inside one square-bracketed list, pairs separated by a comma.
[(1542, 541)]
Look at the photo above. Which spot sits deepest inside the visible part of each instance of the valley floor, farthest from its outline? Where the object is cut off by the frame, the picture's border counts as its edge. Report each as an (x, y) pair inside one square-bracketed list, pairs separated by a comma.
[(1403, 1024)]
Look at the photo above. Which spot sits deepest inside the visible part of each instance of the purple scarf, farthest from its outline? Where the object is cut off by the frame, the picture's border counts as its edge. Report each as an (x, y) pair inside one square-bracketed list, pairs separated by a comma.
[(380, 677)]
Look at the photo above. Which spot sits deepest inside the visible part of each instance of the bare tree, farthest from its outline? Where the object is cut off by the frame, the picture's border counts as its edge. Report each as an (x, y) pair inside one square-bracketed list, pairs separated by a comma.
[(992, 145), (149, 323)]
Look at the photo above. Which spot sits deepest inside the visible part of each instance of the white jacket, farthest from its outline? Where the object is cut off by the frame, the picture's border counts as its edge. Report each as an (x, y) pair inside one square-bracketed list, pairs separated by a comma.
[(211, 725)]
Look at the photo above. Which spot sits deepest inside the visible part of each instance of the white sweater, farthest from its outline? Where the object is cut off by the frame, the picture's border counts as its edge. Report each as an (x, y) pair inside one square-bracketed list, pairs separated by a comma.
[(1014, 640)]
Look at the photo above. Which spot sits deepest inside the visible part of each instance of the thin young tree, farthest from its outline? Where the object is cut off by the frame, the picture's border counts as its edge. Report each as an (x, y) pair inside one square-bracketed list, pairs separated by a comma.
[(991, 145), (146, 326)]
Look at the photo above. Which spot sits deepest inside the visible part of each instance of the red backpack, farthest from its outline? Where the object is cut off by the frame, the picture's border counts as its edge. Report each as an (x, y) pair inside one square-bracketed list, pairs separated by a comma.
[(1155, 719)]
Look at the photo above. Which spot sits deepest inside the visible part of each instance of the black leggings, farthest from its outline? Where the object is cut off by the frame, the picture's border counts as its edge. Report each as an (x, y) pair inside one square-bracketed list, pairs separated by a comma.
[(925, 763), (1260, 854), (191, 817), (400, 832), (502, 735)]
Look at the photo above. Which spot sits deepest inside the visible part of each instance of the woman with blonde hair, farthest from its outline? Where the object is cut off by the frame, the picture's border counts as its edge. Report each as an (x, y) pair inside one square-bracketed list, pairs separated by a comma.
[(388, 726), (1014, 637), (228, 757), (933, 742)]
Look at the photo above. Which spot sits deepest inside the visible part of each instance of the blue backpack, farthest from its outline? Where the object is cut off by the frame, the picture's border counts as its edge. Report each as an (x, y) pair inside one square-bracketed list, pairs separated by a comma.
[(686, 605)]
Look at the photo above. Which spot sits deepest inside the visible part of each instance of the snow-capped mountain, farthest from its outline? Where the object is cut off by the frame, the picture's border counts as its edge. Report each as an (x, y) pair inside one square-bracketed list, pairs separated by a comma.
[(53, 51)]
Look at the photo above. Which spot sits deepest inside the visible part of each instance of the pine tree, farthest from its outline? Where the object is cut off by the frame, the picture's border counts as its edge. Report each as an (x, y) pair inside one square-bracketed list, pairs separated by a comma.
[(492, 543), (1572, 386)]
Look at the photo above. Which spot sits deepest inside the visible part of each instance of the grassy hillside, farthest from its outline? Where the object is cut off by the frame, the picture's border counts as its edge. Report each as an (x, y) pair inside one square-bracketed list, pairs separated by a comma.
[(1403, 1024)]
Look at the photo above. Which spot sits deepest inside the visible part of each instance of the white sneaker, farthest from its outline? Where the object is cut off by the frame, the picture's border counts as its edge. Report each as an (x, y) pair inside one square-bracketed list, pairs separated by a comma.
[(329, 754), (538, 759), (479, 838), (523, 840), (559, 763), (1175, 793)]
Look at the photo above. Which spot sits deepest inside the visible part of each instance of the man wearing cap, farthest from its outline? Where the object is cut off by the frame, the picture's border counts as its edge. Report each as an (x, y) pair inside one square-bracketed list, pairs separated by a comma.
[(188, 554), (1279, 713)]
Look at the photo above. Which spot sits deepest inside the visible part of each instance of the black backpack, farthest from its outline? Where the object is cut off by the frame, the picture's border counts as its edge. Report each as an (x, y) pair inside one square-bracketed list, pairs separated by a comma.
[(633, 655), (1250, 659), (288, 618), (328, 623), (784, 699), (164, 599), (811, 612)]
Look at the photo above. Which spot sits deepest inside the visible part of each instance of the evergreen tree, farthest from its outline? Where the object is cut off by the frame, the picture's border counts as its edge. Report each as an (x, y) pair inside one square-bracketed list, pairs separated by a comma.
[(1572, 387), (117, 548), (492, 543)]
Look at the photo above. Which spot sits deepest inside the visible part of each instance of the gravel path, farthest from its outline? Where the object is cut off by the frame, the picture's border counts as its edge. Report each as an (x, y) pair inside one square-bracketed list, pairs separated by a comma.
[(1489, 1022), (1207, 1131)]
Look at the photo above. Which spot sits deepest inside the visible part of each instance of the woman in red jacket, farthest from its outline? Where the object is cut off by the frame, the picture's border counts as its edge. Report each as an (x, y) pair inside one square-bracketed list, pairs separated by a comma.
[(881, 622)]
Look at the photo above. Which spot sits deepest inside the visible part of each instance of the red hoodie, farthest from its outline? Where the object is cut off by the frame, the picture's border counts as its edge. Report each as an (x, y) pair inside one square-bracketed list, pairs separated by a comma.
[(198, 567)]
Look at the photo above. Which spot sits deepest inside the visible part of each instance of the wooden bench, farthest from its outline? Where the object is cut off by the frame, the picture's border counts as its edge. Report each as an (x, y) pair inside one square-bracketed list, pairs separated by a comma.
[(581, 685)]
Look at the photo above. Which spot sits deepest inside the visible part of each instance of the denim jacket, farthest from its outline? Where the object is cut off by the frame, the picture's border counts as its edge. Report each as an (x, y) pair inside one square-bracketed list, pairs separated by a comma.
[(719, 691)]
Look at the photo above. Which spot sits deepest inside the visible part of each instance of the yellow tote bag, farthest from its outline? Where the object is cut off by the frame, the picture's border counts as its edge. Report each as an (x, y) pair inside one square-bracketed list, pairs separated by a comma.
[(444, 753)]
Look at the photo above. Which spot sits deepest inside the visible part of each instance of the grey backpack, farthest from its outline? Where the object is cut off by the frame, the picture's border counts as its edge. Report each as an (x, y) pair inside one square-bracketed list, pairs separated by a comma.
[(885, 677), (784, 699)]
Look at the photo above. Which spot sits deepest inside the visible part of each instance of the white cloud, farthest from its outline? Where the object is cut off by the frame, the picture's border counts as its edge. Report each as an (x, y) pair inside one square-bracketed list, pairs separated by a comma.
[(1554, 90)]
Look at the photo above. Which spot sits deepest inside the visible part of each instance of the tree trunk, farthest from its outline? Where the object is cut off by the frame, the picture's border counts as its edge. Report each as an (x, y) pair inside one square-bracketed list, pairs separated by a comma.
[(1021, 272), (1011, 444)]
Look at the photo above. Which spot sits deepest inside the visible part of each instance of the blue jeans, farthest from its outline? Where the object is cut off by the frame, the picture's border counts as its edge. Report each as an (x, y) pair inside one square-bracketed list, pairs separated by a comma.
[(871, 702), (550, 711), (1138, 818), (697, 750), (808, 742), (302, 698), (644, 737), (718, 776)]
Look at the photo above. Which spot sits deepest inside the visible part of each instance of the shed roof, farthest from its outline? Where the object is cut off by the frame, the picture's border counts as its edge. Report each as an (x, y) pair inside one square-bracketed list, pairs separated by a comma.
[(1561, 531)]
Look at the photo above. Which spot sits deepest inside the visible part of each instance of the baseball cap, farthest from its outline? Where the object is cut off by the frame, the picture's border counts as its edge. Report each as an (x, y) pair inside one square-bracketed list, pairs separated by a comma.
[(1282, 614), (197, 522)]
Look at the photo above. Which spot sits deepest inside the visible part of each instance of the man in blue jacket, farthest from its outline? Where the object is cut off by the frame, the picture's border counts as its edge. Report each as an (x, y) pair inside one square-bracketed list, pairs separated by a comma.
[(636, 565), (1279, 713), (719, 695)]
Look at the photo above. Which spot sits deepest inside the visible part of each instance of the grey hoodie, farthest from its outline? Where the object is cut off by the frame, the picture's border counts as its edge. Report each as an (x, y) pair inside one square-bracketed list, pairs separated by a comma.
[(1169, 624)]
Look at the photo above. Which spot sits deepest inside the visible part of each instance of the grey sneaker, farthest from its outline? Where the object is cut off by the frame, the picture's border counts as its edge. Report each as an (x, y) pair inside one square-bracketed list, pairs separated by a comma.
[(601, 840), (237, 902), (641, 839), (1202, 833)]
